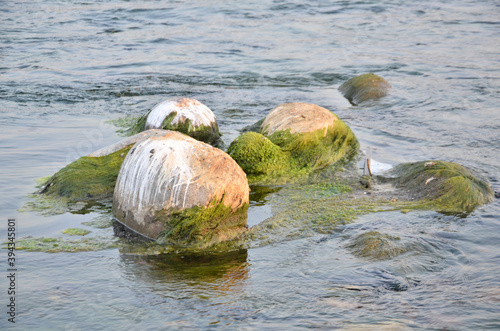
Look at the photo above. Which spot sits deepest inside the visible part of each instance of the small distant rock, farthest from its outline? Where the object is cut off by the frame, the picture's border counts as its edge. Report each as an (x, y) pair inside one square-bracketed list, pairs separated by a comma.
[(188, 116), (364, 87)]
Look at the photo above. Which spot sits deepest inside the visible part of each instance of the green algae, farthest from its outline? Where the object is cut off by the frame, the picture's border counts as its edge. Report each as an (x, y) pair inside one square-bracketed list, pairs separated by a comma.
[(317, 149), (76, 232), (207, 134), (48, 205), (259, 157), (100, 222), (364, 87), (88, 178), (301, 211), (443, 186), (58, 245), (202, 227), (41, 182), (374, 245), (125, 125), (289, 157)]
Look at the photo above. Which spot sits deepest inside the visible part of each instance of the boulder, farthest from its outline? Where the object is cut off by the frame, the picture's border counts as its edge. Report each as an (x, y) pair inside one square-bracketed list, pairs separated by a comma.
[(181, 191), (93, 177), (185, 115), (364, 87), (445, 186), (295, 139)]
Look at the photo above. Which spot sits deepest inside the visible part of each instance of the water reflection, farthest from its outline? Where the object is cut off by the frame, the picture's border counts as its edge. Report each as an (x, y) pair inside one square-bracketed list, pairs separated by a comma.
[(225, 270)]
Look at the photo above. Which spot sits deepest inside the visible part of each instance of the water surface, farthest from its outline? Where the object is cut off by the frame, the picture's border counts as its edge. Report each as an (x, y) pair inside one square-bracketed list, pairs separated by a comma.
[(69, 66)]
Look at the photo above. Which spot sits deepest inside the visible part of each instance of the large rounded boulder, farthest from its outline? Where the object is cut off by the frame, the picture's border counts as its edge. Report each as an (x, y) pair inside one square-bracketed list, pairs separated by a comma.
[(188, 116), (295, 139), (180, 191), (364, 87)]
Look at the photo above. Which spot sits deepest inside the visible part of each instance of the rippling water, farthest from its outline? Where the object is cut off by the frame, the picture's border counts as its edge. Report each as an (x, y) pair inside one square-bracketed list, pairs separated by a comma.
[(68, 66)]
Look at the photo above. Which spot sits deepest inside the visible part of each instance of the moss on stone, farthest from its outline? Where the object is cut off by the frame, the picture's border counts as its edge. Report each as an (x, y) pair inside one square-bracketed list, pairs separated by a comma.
[(364, 87), (287, 157), (207, 134), (320, 148), (202, 227), (88, 178), (259, 158), (447, 186), (76, 232)]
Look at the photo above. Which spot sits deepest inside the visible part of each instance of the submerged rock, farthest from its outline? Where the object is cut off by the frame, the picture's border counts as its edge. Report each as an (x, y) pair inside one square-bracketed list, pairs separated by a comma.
[(447, 186), (295, 139), (185, 115), (364, 87), (93, 177), (377, 246), (181, 191)]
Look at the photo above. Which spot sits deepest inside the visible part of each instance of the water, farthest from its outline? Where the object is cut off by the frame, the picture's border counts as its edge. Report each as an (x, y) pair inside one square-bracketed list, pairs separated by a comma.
[(68, 66)]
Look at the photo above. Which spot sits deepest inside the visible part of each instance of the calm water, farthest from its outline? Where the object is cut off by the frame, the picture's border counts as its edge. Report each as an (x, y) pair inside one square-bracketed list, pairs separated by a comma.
[(68, 66)]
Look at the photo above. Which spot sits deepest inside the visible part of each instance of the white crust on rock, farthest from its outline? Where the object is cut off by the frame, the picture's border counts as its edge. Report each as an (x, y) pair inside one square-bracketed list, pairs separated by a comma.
[(191, 109)]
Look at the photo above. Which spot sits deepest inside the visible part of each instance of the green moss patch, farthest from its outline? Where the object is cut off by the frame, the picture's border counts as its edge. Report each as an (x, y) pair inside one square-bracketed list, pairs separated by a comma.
[(317, 149), (448, 186), (88, 178), (76, 232), (287, 157), (259, 158), (364, 87), (202, 227)]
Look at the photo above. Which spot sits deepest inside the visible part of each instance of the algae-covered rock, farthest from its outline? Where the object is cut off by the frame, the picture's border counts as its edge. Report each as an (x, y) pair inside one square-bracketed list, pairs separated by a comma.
[(93, 177), (449, 186), (87, 178), (364, 87), (185, 115), (377, 246), (301, 138), (181, 191)]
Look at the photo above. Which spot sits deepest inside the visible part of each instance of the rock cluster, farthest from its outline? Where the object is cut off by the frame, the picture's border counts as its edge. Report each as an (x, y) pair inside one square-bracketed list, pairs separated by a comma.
[(171, 186)]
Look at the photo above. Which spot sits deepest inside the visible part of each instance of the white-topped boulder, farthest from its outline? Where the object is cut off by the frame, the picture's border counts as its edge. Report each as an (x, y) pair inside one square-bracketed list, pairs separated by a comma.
[(178, 190), (188, 116)]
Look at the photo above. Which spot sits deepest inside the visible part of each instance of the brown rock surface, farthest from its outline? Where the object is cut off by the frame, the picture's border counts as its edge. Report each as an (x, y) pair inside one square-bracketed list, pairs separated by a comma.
[(299, 117)]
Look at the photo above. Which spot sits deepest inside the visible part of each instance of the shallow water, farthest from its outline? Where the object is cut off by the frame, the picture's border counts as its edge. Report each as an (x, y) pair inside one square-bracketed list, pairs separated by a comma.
[(69, 66)]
